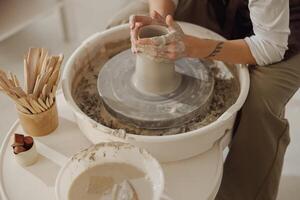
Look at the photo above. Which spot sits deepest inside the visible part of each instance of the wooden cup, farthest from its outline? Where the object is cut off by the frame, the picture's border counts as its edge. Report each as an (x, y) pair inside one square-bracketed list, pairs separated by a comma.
[(40, 124)]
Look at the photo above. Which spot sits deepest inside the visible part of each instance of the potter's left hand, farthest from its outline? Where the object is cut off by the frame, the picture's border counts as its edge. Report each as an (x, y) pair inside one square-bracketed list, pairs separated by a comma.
[(167, 47)]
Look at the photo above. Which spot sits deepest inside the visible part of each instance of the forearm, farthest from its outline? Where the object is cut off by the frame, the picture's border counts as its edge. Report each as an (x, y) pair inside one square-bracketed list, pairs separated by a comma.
[(163, 7), (230, 51)]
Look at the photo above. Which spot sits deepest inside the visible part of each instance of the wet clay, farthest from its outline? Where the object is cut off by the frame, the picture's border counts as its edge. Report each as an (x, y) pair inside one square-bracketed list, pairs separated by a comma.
[(226, 91), (152, 76), (158, 78)]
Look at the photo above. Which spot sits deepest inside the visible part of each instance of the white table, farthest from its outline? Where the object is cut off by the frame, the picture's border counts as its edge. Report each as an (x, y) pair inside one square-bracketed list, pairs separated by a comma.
[(195, 178)]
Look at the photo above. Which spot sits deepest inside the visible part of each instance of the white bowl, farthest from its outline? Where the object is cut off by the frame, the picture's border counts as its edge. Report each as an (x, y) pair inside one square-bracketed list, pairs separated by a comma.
[(112, 152), (164, 148), (28, 157)]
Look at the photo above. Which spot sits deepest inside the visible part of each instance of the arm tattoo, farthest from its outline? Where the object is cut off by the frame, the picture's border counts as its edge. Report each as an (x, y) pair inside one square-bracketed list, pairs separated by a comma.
[(217, 50)]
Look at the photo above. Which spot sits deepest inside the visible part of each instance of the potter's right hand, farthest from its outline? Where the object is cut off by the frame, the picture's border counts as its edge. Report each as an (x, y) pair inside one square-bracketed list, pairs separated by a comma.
[(138, 21)]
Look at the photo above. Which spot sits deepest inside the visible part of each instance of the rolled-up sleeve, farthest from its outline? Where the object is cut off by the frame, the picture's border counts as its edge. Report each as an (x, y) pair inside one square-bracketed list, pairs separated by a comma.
[(270, 20)]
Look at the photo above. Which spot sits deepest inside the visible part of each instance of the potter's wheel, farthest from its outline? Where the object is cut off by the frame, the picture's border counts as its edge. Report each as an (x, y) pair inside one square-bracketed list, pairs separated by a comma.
[(124, 101)]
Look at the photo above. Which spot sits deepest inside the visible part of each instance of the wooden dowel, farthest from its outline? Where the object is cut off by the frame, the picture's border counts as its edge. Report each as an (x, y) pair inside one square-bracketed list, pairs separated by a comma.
[(33, 105), (36, 86), (23, 109), (3, 84), (26, 76), (27, 104), (37, 106), (12, 96), (47, 102), (18, 91), (6, 81), (54, 90), (41, 102), (41, 76), (16, 81), (53, 78), (51, 98), (45, 92), (11, 79)]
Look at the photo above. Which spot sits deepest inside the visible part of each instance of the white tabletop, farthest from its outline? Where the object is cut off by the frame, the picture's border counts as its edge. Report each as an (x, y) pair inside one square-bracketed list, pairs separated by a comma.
[(195, 178)]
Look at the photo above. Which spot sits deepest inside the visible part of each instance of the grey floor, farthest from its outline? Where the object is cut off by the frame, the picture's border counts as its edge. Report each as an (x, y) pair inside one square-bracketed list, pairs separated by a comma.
[(88, 17)]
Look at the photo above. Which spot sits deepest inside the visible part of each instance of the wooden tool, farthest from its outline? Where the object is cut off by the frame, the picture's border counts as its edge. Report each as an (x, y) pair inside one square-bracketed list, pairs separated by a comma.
[(36, 102), (41, 76)]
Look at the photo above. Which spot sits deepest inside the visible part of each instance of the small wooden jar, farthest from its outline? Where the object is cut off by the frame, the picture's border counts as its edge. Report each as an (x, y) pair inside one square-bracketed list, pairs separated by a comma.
[(40, 124)]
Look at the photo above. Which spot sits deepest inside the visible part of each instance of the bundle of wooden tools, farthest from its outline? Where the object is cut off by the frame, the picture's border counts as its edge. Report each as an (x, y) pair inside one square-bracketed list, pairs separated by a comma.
[(41, 76)]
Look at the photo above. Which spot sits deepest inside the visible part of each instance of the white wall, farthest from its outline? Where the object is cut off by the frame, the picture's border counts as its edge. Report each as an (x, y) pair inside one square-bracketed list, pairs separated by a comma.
[(89, 16)]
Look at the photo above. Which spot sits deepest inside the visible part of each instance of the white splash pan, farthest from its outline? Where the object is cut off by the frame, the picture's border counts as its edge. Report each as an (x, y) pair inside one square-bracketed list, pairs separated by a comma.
[(164, 148)]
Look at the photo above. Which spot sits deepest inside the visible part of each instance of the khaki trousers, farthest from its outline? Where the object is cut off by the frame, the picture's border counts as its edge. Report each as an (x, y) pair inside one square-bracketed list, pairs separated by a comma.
[(253, 166)]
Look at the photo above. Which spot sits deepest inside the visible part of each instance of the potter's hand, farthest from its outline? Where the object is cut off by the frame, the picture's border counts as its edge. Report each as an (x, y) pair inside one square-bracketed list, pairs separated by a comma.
[(166, 47), (137, 21)]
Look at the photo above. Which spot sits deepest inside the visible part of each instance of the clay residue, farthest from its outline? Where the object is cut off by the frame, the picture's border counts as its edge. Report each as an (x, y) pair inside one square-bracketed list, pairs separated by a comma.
[(87, 98), (90, 155), (106, 181)]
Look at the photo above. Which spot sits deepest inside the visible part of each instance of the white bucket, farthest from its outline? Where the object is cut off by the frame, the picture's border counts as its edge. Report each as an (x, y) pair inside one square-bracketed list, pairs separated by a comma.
[(164, 148)]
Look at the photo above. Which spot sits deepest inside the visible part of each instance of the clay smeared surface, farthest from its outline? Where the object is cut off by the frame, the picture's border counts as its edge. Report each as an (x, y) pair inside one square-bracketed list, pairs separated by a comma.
[(98, 182), (87, 98)]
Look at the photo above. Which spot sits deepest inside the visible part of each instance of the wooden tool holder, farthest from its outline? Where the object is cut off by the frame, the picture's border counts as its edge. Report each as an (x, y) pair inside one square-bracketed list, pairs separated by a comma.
[(39, 124), (35, 102)]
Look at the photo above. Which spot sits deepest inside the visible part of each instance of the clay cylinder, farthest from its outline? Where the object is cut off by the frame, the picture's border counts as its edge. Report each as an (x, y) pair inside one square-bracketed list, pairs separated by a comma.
[(152, 76), (40, 124)]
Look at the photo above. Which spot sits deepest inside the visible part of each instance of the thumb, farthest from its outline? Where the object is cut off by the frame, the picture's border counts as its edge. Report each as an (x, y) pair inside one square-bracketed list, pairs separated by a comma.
[(170, 22), (155, 15), (172, 25)]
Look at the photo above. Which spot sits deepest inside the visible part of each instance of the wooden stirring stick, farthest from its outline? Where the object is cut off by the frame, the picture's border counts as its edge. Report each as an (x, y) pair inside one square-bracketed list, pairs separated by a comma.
[(41, 76)]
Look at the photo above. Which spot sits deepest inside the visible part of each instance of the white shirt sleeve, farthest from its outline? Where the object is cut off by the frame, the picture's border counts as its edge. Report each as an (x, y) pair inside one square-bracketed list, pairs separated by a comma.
[(270, 20)]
